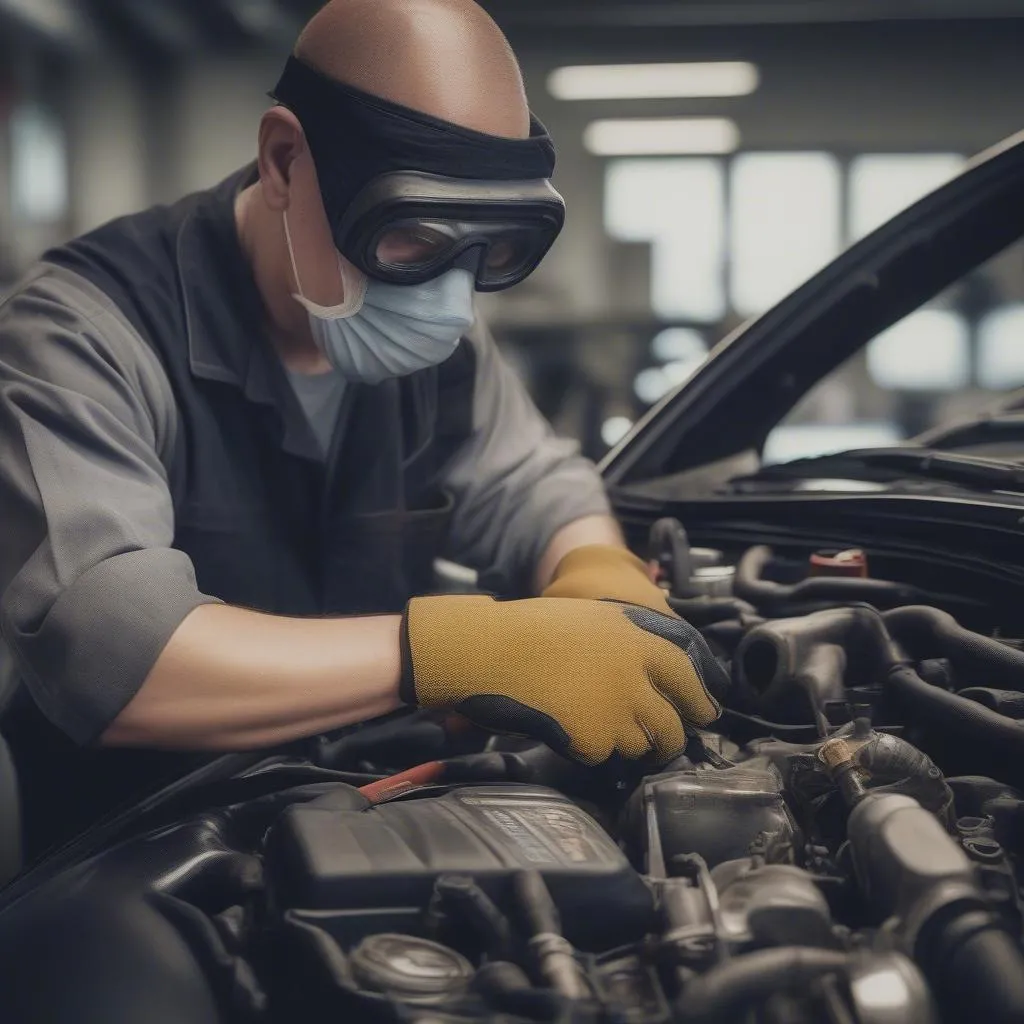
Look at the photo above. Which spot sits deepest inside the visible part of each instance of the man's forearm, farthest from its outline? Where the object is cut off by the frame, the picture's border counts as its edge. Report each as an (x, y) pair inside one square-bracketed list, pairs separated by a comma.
[(232, 679), (588, 530)]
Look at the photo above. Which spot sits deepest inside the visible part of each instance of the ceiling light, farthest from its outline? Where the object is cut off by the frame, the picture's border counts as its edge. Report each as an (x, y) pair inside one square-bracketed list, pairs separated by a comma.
[(653, 81), (661, 136), (614, 429), (679, 344), (651, 385)]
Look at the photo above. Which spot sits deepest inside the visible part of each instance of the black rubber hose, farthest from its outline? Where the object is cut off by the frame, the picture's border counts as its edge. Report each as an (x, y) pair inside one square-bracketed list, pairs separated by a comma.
[(478, 913), (970, 720), (722, 994), (703, 611), (800, 664), (985, 979), (930, 633), (555, 957), (784, 649), (750, 586), (1006, 702), (921, 631), (669, 546), (505, 986)]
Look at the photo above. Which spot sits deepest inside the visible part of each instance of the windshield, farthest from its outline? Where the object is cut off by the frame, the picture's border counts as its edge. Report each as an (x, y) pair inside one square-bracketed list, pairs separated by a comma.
[(954, 358)]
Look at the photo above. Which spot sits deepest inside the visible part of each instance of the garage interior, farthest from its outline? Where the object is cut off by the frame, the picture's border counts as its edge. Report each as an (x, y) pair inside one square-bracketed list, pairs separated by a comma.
[(803, 682), (793, 129)]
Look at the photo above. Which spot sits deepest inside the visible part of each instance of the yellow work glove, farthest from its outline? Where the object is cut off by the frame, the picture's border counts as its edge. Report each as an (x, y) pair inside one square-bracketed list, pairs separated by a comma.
[(604, 572), (589, 678)]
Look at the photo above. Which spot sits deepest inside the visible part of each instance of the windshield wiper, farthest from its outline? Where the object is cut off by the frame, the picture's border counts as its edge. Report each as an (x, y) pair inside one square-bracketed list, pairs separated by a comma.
[(888, 464)]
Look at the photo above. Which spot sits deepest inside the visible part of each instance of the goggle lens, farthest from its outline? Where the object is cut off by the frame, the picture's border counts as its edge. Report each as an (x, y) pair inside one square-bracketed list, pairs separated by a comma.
[(509, 254), (408, 246), (420, 246)]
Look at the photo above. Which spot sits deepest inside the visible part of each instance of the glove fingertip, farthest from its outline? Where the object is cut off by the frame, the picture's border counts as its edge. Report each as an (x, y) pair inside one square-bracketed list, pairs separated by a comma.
[(704, 720)]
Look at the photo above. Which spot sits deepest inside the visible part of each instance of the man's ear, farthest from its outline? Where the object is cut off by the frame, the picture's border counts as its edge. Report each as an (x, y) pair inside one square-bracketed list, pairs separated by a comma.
[(281, 142)]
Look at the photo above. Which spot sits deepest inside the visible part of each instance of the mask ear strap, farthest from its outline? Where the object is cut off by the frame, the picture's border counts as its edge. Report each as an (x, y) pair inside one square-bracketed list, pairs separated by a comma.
[(291, 254), (353, 285)]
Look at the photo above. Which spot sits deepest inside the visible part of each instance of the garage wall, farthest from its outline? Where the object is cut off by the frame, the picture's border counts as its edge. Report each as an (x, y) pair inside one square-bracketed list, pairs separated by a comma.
[(109, 128), (847, 89), (212, 113)]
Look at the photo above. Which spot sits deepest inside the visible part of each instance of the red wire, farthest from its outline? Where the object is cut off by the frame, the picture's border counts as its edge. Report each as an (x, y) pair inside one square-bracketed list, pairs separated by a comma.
[(412, 778)]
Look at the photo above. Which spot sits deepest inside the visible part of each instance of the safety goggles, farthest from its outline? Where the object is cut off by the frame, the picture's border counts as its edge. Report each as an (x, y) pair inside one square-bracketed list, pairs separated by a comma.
[(408, 227)]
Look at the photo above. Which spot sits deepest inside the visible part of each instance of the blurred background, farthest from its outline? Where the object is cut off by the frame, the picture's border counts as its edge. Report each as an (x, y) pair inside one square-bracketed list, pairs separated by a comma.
[(713, 154)]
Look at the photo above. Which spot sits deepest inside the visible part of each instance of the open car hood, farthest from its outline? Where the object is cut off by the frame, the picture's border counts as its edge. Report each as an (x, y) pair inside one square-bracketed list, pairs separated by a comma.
[(766, 366)]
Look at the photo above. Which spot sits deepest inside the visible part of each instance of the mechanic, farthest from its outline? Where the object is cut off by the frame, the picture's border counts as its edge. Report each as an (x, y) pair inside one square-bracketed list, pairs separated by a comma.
[(235, 432)]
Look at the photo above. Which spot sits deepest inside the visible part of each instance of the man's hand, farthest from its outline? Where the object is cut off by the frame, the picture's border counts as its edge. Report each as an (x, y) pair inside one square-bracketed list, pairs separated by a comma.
[(606, 572), (589, 678)]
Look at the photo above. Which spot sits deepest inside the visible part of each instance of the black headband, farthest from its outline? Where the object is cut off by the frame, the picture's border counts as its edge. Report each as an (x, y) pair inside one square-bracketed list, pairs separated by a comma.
[(355, 137)]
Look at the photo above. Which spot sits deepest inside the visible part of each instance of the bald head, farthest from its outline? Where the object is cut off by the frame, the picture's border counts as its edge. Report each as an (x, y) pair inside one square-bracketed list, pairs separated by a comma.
[(446, 58)]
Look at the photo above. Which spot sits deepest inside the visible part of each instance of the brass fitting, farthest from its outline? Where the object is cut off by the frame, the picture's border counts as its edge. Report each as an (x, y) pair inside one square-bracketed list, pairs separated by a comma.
[(834, 753), (844, 771)]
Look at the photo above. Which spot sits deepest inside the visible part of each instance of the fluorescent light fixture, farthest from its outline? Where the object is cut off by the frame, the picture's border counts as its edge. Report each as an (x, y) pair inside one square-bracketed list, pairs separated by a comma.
[(653, 81), (661, 136)]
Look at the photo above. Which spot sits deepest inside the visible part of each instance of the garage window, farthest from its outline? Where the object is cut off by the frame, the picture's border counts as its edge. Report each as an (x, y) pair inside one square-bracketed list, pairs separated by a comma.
[(785, 224), (678, 206), (39, 173), (883, 184), (1001, 348)]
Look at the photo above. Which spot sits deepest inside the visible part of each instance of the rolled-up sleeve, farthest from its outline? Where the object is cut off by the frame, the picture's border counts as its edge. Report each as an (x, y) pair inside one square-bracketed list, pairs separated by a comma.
[(91, 589), (515, 483)]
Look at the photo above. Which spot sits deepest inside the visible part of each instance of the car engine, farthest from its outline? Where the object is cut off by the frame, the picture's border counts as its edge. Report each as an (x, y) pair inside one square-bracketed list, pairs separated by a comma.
[(842, 846)]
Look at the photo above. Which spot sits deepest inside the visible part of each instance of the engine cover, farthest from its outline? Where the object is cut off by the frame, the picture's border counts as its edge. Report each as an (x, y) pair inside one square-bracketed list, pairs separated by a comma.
[(324, 857)]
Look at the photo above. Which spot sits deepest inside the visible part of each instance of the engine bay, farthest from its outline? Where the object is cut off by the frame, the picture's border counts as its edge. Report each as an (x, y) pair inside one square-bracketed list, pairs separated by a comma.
[(843, 846)]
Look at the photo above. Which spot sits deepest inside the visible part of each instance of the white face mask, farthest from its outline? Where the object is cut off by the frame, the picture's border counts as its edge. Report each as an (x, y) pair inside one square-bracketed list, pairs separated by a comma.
[(383, 330)]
